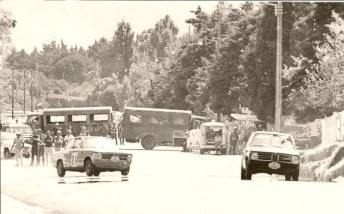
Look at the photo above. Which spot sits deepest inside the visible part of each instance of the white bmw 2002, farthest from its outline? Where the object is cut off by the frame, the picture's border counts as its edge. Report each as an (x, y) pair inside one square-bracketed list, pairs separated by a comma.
[(92, 155)]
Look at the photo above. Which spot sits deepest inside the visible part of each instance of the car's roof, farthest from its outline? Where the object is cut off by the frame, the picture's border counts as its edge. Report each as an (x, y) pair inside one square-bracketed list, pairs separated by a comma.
[(214, 124)]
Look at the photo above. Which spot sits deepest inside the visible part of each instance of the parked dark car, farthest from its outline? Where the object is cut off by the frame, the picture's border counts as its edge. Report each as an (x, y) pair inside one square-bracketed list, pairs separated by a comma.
[(92, 155), (271, 153)]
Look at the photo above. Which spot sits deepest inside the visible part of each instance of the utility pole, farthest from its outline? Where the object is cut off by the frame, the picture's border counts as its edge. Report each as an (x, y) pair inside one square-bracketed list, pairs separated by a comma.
[(31, 90), (12, 95), (24, 89), (278, 102), (218, 119)]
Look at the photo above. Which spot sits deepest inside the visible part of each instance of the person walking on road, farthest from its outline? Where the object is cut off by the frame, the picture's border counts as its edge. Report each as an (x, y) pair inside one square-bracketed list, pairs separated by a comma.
[(48, 153), (34, 149), (58, 141), (18, 145), (234, 140)]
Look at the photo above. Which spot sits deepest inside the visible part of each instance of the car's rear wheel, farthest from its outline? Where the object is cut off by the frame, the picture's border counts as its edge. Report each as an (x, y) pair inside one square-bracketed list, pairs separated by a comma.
[(125, 171), (61, 171), (89, 167), (148, 142), (7, 153), (201, 151), (295, 176), (96, 173)]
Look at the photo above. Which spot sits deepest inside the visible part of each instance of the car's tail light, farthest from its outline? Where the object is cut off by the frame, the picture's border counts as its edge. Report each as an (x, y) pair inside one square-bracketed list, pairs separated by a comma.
[(254, 156), (295, 159)]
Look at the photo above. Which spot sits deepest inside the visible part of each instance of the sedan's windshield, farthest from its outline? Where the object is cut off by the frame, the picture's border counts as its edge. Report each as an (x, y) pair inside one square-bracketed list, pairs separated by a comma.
[(272, 140), (99, 143)]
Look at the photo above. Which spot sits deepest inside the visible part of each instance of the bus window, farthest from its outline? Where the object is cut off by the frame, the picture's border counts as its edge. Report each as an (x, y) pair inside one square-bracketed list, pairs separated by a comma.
[(99, 117), (78, 118), (135, 119), (156, 119), (178, 120), (55, 119)]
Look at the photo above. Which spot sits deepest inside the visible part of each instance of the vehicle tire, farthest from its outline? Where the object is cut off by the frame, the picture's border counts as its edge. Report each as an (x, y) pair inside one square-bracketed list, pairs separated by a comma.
[(26, 156), (61, 171), (96, 173), (288, 177), (7, 153), (201, 151), (248, 173), (243, 176), (295, 176), (125, 171), (89, 167), (148, 142)]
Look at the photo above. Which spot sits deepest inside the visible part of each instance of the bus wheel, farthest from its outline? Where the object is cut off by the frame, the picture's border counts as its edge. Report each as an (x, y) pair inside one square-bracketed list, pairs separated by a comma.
[(148, 142)]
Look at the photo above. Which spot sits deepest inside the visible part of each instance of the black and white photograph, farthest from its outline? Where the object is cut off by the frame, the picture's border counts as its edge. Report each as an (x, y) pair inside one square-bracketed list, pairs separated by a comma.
[(171, 107)]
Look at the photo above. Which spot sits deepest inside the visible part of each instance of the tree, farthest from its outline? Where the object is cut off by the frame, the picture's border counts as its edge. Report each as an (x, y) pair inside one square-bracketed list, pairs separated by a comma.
[(6, 25), (322, 93)]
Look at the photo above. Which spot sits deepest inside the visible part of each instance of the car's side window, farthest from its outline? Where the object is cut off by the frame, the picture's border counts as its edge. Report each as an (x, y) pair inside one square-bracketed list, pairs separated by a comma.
[(77, 143), (69, 144)]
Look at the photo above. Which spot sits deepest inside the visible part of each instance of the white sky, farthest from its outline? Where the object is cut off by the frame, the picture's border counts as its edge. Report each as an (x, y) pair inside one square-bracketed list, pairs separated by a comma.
[(82, 22)]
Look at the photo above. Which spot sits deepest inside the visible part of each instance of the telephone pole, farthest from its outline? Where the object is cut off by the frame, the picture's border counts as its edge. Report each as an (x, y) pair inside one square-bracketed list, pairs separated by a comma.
[(278, 104)]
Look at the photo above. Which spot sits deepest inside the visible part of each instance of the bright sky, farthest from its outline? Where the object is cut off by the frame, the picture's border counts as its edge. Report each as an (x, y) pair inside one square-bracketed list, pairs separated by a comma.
[(82, 22)]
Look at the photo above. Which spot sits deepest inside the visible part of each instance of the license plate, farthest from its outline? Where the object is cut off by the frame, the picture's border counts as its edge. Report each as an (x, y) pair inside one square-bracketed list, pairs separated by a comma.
[(114, 158), (274, 165)]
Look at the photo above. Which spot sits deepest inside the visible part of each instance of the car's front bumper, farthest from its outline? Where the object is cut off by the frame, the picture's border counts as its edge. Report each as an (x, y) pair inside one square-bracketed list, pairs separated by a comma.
[(257, 166), (106, 164)]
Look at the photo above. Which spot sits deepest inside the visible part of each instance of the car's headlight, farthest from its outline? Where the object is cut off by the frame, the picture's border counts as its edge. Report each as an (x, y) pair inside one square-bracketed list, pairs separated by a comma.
[(129, 157), (97, 155), (254, 156), (295, 159)]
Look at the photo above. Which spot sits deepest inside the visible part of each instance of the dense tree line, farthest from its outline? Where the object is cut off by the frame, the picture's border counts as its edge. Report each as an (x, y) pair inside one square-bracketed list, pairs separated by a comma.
[(227, 62)]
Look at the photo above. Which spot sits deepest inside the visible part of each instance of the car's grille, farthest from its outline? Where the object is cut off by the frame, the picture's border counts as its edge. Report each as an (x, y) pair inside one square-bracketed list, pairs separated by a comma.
[(284, 158), (109, 155), (264, 156)]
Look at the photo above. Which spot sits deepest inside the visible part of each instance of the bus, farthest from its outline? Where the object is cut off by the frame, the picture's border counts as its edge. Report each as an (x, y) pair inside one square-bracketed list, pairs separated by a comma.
[(97, 120), (154, 126)]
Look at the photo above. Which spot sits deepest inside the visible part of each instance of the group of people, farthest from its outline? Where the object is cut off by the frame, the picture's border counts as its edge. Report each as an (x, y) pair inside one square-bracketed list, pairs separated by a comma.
[(43, 146)]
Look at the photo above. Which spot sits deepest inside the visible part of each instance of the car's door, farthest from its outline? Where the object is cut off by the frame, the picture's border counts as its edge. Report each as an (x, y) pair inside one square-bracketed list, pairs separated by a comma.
[(74, 153), (67, 153), (82, 153)]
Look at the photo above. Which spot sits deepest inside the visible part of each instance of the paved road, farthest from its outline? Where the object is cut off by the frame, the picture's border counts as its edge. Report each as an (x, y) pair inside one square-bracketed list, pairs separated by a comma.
[(166, 180)]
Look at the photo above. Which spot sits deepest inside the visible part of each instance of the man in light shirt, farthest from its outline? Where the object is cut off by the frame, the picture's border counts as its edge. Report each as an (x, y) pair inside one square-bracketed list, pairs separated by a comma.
[(67, 137), (18, 145)]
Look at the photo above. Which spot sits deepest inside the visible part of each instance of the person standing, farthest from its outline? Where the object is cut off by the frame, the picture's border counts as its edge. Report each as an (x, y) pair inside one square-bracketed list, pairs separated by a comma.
[(18, 145), (49, 142), (34, 148), (41, 146), (83, 131), (234, 140), (218, 143), (67, 137), (58, 141)]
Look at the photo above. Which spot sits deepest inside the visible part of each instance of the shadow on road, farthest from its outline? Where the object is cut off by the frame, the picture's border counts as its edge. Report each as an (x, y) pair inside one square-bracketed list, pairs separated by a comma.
[(73, 180)]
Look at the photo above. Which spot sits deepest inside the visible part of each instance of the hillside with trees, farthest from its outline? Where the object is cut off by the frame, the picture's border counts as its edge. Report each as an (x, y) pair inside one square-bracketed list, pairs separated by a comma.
[(226, 62)]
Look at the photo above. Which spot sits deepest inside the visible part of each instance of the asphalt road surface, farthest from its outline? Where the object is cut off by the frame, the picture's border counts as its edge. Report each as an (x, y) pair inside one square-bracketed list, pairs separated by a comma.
[(165, 180)]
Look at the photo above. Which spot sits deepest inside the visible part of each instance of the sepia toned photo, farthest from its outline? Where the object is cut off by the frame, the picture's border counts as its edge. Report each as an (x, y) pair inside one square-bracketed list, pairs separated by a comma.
[(171, 107)]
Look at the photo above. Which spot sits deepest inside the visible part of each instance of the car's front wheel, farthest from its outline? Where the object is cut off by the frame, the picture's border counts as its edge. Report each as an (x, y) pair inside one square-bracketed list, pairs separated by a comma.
[(148, 142), (243, 173), (96, 173), (287, 177), (201, 151), (295, 176), (7, 153), (248, 173), (125, 171), (61, 171), (89, 167)]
